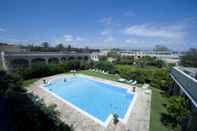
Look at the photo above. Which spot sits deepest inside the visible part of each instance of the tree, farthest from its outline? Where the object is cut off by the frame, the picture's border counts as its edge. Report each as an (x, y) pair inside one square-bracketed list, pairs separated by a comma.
[(149, 61), (102, 58), (106, 66), (128, 60), (189, 59), (9, 83), (25, 111), (160, 48), (178, 108), (113, 53), (69, 47), (45, 44), (86, 49), (60, 47)]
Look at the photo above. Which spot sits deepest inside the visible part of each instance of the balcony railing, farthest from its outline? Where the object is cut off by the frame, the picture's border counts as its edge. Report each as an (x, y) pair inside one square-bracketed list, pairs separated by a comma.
[(188, 83)]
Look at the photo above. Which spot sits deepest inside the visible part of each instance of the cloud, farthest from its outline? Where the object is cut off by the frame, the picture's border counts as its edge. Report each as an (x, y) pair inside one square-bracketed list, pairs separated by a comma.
[(175, 35), (106, 32), (109, 39), (106, 20), (80, 39), (128, 41), (129, 13), (154, 30), (68, 38), (72, 39), (2, 30)]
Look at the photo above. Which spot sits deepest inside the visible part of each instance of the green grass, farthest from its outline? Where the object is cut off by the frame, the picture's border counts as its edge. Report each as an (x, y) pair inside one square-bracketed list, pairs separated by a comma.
[(133, 67), (100, 75), (26, 83), (1, 66), (156, 109)]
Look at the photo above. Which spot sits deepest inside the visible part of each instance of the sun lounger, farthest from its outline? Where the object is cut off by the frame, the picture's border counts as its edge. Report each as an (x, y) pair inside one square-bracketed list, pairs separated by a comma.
[(122, 80), (145, 86), (130, 81), (133, 83)]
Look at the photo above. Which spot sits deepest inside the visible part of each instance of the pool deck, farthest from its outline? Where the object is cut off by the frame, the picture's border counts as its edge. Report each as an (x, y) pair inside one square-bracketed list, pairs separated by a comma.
[(138, 120)]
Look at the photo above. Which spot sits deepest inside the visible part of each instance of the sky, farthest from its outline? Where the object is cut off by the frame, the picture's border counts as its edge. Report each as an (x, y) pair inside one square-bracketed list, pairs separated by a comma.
[(127, 24)]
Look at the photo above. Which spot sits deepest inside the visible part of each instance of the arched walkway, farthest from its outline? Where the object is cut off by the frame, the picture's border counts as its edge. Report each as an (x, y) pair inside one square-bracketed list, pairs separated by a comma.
[(53, 60), (38, 61), (71, 58), (86, 58), (79, 58), (63, 59), (19, 63)]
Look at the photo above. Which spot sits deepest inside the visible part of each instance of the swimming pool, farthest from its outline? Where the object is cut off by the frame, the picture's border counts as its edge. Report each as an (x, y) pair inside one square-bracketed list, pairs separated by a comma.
[(93, 98)]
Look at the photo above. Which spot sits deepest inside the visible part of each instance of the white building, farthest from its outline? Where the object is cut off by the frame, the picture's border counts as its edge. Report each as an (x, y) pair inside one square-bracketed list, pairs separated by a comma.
[(94, 56)]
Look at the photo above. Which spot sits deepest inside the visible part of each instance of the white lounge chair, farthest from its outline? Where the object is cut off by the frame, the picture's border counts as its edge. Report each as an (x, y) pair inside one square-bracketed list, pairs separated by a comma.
[(145, 86), (130, 81), (121, 80), (133, 83), (105, 73), (148, 91)]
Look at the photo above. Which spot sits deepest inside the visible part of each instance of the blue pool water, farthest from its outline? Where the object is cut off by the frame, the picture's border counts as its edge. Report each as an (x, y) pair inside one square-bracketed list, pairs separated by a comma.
[(96, 98)]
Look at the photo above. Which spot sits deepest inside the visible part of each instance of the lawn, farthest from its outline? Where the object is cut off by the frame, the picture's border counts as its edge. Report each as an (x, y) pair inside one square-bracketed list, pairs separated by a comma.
[(156, 109), (156, 106), (100, 75), (26, 83), (134, 68)]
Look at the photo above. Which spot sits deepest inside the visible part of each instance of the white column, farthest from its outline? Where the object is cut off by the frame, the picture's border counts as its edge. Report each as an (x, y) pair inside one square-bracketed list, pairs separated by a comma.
[(29, 63), (3, 60), (47, 61)]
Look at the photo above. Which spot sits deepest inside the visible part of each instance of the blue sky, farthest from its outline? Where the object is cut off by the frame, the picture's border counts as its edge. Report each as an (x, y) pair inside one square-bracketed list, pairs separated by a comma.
[(134, 24)]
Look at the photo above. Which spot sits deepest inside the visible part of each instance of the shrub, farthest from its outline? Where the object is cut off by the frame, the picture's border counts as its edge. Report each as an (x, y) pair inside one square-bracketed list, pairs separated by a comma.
[(106, 66), (149, 61), (27, 112), (9, 82), (189, 59), (157, 77), (41, 70), (178, 108)]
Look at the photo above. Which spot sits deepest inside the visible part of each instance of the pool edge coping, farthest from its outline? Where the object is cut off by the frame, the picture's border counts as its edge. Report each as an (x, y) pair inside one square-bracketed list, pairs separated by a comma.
[(110, 117)]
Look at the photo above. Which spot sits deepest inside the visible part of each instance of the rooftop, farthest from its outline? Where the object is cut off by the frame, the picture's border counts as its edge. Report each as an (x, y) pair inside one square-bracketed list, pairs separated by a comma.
[(190, 71), (184, 77)]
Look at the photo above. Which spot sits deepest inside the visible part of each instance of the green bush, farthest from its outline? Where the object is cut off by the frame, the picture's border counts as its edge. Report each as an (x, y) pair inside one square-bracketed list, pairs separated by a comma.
[(156, 77), (9, 82), (149, 61), (27, 112), (178, 108), (41, 70), (106, 66), (189, 59)]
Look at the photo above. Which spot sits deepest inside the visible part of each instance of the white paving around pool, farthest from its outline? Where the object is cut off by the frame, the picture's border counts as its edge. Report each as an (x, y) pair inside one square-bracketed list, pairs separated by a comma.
[(138, 117)]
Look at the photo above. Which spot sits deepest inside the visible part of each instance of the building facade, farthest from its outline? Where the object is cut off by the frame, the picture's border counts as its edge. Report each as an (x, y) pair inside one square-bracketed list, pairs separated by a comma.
[(186, 85), (15, 59), (168, 57)]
